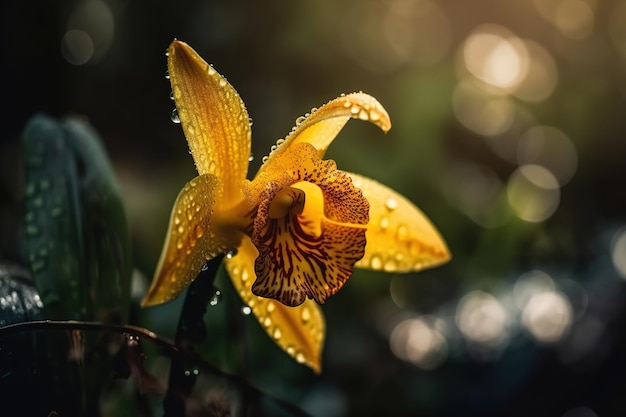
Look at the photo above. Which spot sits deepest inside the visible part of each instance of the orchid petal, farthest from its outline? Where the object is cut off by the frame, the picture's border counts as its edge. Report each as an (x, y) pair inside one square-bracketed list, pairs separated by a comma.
[(322, 126), (191, 240), (400, 238), (299, 331), (214, 119)]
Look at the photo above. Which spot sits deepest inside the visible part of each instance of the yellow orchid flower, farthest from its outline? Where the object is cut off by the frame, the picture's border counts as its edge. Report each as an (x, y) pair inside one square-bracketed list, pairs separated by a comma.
[(292, 234)]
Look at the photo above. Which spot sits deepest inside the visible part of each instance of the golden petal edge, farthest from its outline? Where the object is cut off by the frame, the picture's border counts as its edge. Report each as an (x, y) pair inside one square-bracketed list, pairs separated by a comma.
[(214, 119), (189, 242), (400, 237)]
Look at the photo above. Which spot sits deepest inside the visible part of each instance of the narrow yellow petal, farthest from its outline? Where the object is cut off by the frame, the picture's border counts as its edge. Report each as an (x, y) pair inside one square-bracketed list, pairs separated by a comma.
[(322, 126), (299, 331), (190, 241), (214, 119), (400, 238)]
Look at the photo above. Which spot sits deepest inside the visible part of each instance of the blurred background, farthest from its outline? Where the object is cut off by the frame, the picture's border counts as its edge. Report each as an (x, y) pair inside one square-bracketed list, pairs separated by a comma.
[(509, 132)]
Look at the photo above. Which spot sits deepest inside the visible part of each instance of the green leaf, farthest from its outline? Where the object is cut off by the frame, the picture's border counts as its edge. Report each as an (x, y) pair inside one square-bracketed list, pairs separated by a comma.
[(76, 232)]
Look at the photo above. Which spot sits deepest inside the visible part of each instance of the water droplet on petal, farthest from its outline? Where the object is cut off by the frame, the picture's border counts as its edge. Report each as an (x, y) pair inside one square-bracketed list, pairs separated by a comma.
[(246, 310), (376, 262), (167, 75), (402, 233), (211, 70), (299, 120), (384, 223), (231, 253), (305, 315), (171, 95), (175, 118), (270, 306), (277, 334), (222, 82), (267, 322), (300, 358), (251, 158), (391, 204)]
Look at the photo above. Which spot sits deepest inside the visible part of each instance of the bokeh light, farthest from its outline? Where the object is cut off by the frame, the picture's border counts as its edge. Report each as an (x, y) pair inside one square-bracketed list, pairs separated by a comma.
[(495, 56), (415, 341), (547, 316), (541, 77), (549, 147), (529, 284), (618, 252), (481, 112), (77, 47), (483, 320), (477, 192), (91, 28), (573, 18), (533, 193), (383, 36)]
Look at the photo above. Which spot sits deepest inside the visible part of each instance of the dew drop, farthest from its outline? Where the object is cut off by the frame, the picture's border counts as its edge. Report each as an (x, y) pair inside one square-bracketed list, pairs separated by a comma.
[(250, 158), (231, 253), (179, 244), (299, 120), (391, 204), (305, 315), (167, 52), (174, 116), (187, 373), (390, 265), (265, 159), (402, 233), (363, 115), (355, 109), (167, 75), (277, 334), (300, 358), (267, 322), (216, 297), (171, 95), (211, 70), (176, 220), (374, 116), (199, 231), (376, 262), (222, 82), (384, 223), (246, 310), (291, 350), (205, 267), (347, 104), (181, 229), (245, 275), (270, 306)]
